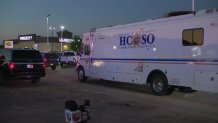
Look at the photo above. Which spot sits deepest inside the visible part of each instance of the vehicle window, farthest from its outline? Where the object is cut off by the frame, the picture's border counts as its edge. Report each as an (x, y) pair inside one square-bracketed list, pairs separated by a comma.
[(58, 54), (192, 37), (54, 55), (69, 54), (26, 55), (50, 55), (87, 49), (198, 36)]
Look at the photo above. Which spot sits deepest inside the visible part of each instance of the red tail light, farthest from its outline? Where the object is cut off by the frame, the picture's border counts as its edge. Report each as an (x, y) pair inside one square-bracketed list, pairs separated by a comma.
[(11, 65), (44, 60)]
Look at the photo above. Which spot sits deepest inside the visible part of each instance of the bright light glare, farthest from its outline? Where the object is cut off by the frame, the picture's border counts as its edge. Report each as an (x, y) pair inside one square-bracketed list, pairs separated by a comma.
[(154, 49), (98, 63), (65, 46), (62, 27), (196, 51), (51, 28)]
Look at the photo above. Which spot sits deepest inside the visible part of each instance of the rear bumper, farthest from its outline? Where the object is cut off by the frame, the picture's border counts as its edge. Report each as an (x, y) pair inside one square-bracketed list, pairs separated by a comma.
[(50, 64), (26, 75)]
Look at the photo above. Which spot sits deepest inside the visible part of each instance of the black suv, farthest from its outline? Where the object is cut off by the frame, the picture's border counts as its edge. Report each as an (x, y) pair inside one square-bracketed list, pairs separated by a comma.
[(21, 64), (50, 60)]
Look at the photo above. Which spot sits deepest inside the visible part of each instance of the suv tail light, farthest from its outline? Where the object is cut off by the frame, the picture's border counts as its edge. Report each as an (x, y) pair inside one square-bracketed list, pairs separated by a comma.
[(11, 65), (44, 61)]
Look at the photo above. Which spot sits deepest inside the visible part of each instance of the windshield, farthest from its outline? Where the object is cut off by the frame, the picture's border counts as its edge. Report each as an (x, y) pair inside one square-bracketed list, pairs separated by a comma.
[(69, 54)]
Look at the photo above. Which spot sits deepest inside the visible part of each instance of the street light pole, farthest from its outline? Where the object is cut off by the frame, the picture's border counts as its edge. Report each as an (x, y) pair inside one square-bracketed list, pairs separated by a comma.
[(62, 28), (52, 30), (47, 46), (193, 5)]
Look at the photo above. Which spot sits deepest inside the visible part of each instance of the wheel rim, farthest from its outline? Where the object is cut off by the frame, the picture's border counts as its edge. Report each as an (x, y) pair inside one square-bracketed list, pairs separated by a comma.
[(81, 74), (158, 85)]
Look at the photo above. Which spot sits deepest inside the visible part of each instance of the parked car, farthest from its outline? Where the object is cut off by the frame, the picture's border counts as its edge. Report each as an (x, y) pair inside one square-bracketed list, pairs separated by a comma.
[(21, 64), (51, 60), (68, 57)]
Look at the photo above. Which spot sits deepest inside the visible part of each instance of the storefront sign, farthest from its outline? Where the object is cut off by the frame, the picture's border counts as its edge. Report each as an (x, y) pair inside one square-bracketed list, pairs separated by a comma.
[(8, 44), (27, 37)]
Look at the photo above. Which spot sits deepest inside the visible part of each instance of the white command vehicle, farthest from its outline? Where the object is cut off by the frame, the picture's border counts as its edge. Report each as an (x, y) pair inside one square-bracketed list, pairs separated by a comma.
[(179, 51)]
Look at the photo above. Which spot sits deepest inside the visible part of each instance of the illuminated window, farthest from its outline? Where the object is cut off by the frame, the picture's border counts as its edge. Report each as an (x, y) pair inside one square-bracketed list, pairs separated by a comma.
[(192, 37)]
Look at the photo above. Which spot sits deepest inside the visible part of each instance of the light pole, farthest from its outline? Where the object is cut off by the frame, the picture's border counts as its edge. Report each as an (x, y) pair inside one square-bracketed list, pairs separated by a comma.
[(47, 46), (193, 5), (62, 28), (52, 29)]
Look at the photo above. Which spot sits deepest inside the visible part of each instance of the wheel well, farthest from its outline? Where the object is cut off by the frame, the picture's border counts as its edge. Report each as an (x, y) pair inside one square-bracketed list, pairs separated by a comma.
[(156, 71)]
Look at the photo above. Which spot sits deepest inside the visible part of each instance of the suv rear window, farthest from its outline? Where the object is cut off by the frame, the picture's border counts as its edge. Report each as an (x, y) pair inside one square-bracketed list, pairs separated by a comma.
[(51, 55), (26, 56)]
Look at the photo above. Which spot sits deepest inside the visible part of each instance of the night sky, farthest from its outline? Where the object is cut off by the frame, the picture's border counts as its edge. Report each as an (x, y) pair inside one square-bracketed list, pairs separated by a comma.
[(19, 17)]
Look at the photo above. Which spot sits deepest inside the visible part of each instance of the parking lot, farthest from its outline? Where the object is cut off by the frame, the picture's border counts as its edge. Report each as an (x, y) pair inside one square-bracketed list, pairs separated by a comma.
[(22, 102)]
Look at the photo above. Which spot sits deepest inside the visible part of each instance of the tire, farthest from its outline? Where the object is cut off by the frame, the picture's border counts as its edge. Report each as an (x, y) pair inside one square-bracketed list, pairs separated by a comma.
[(81, 75), (53, 67), (159, 85), (35, 80)]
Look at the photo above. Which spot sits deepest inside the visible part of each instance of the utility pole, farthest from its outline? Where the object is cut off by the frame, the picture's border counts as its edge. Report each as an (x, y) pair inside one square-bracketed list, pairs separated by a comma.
[(52, 30), (193, 5), (62, 28), (47, 45)]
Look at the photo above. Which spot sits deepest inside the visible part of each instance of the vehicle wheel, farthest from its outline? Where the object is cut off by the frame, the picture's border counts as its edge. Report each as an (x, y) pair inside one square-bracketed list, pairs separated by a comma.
[(81, 75), (159, 85), (53, 67), (35, 80)]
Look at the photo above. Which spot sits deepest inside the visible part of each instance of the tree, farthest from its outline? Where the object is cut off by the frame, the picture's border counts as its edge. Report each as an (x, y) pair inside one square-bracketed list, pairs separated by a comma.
[(76, 43), (66, 34)]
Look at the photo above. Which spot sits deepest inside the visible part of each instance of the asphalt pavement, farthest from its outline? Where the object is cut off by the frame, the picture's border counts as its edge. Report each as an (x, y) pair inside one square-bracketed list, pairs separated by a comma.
[(111, 102)]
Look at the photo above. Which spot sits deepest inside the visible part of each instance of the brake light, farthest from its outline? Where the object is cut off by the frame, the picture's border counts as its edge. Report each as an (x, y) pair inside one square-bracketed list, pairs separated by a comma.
[(11, 65), (45, 60)]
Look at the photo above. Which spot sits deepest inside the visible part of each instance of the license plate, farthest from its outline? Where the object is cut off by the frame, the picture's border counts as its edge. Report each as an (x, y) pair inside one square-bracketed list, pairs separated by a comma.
[(29, 66)]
